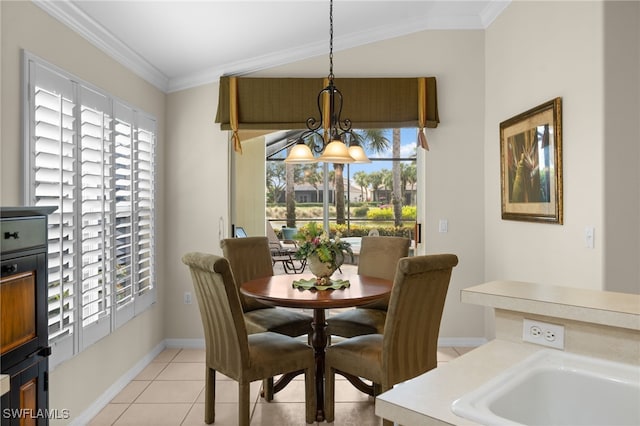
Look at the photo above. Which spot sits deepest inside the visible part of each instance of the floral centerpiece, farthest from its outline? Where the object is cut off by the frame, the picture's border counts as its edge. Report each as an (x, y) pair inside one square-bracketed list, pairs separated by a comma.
[(324, 255)]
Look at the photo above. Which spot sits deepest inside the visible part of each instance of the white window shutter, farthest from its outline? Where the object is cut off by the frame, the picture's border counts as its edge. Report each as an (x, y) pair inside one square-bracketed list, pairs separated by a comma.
[(144, 196), (96, 194), (93, 158), (52, 176), (124, 232)]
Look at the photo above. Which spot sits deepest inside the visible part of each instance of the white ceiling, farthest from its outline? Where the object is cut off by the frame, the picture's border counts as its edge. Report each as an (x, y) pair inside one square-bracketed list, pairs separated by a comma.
[(177, 44)]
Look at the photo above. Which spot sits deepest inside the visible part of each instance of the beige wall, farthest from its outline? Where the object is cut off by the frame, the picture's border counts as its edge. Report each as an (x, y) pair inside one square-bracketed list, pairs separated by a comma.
[(536, 51), (587, 53), (622, 146), (77, 383), (197, 194)]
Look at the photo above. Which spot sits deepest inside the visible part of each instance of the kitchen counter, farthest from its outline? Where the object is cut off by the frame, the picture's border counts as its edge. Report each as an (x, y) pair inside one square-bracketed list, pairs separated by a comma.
[(593, 306), (597, 323)]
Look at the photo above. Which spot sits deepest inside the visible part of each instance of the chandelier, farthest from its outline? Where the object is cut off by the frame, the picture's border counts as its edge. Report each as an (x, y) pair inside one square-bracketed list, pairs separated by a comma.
[(336, 143)]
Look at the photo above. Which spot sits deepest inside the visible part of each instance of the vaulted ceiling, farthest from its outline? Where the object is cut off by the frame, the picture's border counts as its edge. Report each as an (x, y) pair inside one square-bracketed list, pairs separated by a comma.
[(177, 44)]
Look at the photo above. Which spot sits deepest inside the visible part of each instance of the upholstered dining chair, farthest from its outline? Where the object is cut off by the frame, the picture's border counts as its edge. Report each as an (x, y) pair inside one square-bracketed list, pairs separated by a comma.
[(408, 346), (233, 352), (250, 258), (378, 258)]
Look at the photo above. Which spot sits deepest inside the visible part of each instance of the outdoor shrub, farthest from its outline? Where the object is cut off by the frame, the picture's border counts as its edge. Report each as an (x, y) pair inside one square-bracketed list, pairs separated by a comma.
[(377, 213), (360, 211), (409, 212)]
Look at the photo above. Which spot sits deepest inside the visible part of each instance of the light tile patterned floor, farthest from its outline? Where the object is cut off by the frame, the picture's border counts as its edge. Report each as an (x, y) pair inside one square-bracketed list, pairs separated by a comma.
[(170, 391)]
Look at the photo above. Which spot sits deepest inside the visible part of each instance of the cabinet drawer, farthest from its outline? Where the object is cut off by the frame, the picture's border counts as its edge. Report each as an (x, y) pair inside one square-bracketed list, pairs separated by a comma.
[(22, 234)]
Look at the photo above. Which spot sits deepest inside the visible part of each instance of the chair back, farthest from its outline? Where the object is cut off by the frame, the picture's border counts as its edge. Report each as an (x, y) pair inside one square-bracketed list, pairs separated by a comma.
[(250, 258), (225, 333), (410, 341), (274, 241), (239, 232), (379, 257)]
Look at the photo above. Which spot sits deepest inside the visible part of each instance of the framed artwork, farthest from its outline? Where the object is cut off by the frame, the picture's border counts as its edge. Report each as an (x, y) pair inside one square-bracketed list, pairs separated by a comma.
[(531, 164)]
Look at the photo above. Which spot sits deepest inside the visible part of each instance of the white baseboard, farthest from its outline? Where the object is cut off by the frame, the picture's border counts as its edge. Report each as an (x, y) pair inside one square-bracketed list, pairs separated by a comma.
[(185, 343), (113, 390), (461, 342)]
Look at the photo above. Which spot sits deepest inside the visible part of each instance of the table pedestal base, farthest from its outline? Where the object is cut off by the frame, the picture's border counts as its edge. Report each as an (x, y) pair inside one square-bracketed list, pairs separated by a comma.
[(319, 343)]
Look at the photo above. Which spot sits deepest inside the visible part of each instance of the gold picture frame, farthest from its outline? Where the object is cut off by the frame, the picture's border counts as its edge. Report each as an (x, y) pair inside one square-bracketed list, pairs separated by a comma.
[(531, 164)]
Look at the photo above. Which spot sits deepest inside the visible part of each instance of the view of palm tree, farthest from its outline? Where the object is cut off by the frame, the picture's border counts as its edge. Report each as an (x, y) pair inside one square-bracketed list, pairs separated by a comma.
[(361, 197)]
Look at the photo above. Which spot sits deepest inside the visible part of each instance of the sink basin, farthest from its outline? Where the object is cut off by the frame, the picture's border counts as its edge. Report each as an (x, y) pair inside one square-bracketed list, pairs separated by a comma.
[(552, 387)]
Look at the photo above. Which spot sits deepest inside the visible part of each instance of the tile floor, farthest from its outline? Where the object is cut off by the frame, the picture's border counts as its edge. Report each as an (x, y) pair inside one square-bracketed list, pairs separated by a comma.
[(170, 391)]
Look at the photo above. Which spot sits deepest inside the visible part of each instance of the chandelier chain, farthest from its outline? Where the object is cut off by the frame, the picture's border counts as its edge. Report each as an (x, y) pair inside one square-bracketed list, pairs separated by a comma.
[(333, 139), (331, 40)]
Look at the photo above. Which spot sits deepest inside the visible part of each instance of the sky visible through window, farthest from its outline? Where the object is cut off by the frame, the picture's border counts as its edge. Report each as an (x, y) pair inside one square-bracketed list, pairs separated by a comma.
[(408, 139)]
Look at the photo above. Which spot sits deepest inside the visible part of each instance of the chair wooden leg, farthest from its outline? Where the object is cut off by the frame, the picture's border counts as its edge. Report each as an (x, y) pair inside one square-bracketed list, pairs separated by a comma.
[(377, 389), (210, 396), (310, 395), (244, 408), (267, 389), (329, 394)]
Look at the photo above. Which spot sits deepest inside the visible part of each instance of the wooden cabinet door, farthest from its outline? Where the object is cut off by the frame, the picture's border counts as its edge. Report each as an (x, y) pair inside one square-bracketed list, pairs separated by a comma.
[(17, 310), (26, 402)]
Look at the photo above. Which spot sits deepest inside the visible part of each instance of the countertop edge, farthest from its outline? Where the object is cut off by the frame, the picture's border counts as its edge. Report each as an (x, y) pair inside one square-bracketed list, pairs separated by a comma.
[(614, 309)]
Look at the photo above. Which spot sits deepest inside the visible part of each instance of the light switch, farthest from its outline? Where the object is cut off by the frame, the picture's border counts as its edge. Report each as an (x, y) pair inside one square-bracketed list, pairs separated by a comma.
[(588, 237), (443, 226)]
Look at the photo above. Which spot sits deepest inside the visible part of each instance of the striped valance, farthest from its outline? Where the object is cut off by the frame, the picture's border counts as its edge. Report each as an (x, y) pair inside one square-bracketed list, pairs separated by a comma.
[(286, 103)]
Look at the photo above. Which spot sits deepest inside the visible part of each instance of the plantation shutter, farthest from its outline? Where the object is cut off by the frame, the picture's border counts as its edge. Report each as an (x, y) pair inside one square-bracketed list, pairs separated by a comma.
[(144, 155), (53, 170), (96, 158), (123, 150)]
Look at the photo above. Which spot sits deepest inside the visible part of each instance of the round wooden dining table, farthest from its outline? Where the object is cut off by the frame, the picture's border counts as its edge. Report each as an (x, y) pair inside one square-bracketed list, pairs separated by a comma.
[(278, 290)]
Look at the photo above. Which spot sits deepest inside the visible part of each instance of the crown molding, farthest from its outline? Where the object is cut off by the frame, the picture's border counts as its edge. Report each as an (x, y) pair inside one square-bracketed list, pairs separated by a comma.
[(71, 16), (492, 11), (68, 14)]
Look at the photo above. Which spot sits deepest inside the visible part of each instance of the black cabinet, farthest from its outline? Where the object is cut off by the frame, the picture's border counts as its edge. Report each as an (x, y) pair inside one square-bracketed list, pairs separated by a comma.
[(24, 315)]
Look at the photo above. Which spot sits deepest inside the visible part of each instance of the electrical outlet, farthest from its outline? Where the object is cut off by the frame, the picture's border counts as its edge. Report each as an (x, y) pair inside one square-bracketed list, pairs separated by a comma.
[(187, 298), (543, 333)]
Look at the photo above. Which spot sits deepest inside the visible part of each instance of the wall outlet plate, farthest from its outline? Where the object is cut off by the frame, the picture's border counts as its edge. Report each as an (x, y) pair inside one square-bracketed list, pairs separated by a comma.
[(543, 333)]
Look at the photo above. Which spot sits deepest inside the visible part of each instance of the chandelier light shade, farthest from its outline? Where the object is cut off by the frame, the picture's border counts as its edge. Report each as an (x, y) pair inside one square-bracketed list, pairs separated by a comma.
[(357, 153), (301, 154), (336, 152), (332, 134)]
